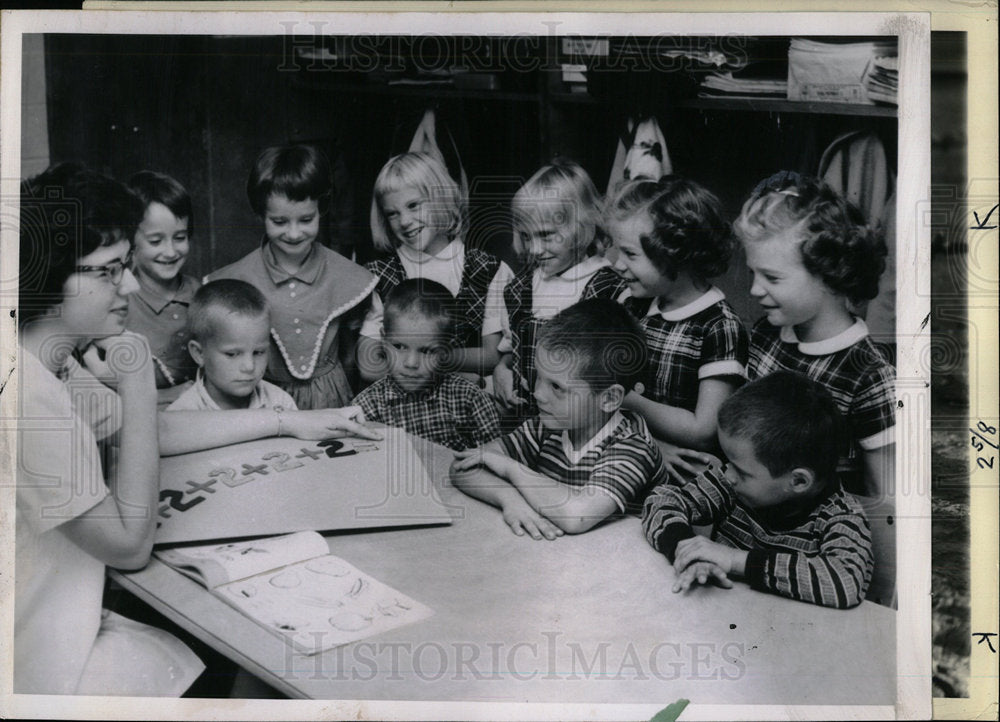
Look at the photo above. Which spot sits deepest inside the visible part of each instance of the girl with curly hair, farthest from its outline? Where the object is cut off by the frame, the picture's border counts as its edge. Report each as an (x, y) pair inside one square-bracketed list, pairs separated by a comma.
[(813, 258), (670, 238)]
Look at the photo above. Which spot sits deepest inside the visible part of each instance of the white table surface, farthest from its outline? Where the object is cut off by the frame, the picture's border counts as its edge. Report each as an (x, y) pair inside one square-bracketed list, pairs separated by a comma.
[(586, 618)]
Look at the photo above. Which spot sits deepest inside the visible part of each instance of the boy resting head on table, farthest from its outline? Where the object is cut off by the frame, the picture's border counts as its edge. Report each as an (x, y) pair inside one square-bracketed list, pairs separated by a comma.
[(229, 323), (781, 519), (420, 394), (582, 459)]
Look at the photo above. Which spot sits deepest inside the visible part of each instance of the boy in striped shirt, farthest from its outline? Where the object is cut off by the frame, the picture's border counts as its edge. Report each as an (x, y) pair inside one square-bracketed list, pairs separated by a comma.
[(780, 518), (582, 459)]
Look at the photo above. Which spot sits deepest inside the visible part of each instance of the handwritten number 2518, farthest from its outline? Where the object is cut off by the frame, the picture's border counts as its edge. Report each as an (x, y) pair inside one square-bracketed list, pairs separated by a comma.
[(979, 443)]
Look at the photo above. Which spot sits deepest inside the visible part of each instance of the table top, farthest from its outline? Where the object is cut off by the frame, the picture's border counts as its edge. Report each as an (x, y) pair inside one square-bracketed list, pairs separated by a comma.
[(585, 618)]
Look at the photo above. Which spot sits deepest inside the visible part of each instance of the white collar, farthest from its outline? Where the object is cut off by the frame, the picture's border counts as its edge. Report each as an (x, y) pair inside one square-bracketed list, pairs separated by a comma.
[(448, 253), (584, 269), (574, 455), (845, 339), (712, 296)]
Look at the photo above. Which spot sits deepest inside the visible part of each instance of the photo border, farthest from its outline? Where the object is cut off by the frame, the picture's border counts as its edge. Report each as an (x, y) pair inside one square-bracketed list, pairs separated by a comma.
[(913, 171)]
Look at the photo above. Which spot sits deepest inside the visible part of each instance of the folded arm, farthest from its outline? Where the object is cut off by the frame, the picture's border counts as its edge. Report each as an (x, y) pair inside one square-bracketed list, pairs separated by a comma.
[(475, 478)]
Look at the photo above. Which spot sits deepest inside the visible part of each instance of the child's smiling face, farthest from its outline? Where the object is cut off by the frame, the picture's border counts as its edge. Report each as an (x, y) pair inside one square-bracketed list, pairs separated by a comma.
[(415, 220), (161, 244), (643, 277), (789, 294), (549, 233), (291, 226)]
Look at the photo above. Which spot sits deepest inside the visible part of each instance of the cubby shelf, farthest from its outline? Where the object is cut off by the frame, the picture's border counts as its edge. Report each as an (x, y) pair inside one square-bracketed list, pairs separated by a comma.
[(771, 105)]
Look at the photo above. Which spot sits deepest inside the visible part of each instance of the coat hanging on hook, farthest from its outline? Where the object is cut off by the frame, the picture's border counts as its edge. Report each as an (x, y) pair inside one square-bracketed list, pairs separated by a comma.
[(425, 140), (641, 153), (432, 136)]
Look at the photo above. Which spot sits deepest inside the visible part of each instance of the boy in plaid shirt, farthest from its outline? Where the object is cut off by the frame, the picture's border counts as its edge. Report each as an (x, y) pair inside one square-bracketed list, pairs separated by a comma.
[(418, 394), (583, 458), (814, 260), (781, 519)]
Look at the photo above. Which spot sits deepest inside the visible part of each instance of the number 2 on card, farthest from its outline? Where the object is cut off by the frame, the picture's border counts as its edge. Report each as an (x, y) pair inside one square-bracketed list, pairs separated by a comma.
[(283, 463)]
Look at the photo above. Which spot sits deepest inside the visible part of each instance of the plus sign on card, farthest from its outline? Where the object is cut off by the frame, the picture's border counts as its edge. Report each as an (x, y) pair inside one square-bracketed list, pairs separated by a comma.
[(280, 485)]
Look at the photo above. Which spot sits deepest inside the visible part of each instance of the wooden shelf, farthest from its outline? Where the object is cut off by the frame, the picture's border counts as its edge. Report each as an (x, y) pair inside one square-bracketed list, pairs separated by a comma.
[(438, 91), (770, 105)]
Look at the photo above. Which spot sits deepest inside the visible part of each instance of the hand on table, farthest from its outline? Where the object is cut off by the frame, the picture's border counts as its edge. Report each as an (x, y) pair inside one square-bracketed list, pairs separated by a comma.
[(701, 573), (327, 423), (701, 549), (521, 518)]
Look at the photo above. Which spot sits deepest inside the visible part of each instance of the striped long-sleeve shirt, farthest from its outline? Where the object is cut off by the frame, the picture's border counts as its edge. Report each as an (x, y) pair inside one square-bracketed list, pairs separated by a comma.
[(821, 555)]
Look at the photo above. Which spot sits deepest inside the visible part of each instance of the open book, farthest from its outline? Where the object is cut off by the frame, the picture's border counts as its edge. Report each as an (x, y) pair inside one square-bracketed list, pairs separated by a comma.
[(292, 586)]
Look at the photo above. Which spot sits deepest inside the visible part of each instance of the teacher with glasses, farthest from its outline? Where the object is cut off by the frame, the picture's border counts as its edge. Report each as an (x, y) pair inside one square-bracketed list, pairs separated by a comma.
[(88, 457)]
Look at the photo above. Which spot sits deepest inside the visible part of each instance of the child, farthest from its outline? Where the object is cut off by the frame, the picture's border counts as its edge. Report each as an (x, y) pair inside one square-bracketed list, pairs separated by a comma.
[(418, 218), (230, 338), (417, 395), (557, 224), (781, 519), (811, 254), (314, 293), (158, 310), (670, 238), (230, 326), (582, 458)]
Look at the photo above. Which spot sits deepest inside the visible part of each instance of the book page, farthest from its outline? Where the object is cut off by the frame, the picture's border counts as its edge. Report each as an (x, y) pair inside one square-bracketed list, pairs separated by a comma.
[(322, 603), (215, 564)]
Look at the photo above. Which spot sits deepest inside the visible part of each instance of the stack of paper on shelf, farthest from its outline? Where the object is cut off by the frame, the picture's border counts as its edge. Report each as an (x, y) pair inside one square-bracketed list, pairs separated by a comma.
[(883, 80), (725, 85), (839, 72)]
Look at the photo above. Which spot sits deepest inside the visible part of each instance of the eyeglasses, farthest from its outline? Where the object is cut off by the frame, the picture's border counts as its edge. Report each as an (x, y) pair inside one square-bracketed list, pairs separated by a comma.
[(113, 271)]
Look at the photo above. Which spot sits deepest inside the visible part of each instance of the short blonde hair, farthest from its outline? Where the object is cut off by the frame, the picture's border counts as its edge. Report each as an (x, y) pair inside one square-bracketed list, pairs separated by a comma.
[(564, 187), (424, 172)]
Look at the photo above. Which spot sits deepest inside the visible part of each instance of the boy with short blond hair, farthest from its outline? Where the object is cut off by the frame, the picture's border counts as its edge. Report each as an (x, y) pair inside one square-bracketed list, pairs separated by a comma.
[(230, 330)]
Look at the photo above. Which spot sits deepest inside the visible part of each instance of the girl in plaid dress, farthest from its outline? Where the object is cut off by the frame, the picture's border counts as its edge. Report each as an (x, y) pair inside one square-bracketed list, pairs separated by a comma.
[(813, 259), (669, 238), (558, 233), (418, 221)]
